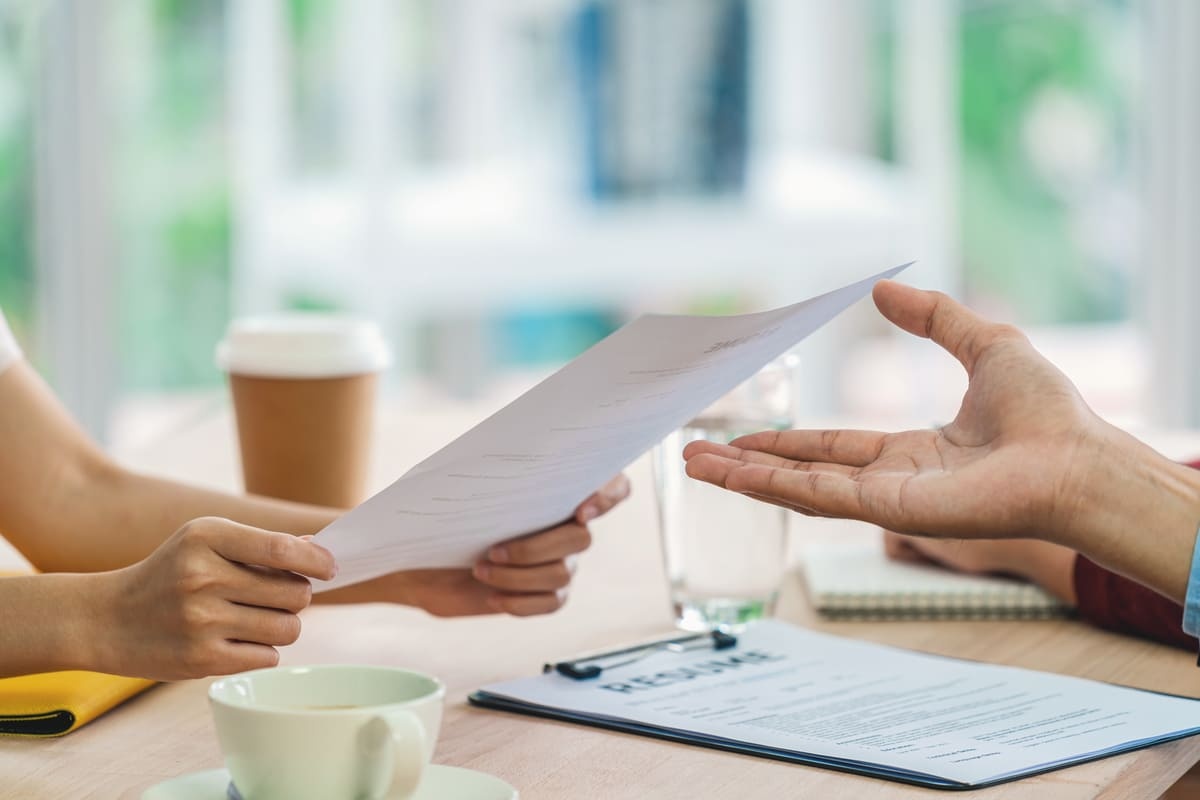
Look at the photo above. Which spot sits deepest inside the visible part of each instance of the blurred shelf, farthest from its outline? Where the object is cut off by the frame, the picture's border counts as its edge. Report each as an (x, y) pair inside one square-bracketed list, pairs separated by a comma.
[(496, 234)]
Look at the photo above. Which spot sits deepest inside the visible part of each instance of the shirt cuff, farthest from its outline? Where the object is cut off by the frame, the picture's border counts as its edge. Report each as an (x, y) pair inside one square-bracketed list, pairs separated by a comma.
[(1191, 603)]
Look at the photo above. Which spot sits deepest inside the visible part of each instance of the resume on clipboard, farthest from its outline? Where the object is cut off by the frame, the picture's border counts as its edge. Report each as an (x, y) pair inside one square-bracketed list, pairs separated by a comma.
[(789, 693)]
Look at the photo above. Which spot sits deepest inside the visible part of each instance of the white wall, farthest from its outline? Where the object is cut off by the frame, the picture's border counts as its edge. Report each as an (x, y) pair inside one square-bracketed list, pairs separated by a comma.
[(1171, 248)]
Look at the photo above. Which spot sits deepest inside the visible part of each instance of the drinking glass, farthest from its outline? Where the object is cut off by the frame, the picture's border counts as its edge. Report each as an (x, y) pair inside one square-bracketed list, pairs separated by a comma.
[(724, 554)]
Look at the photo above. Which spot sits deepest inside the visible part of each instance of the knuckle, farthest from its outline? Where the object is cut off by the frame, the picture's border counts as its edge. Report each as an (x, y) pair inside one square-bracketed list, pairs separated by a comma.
[(302, 596), (197, 617), (521, 551), (260, 658), (583, 539), (278, 546), (199, 528), (542, 604), (195, 575), (194, 583), (1003, 332), (1004, 329), (191, 534), (198, 659), (560, 575), (289, 629)]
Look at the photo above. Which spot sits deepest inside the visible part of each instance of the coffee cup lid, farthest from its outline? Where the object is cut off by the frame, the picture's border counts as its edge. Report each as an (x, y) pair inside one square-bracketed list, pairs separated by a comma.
[(302, 345)]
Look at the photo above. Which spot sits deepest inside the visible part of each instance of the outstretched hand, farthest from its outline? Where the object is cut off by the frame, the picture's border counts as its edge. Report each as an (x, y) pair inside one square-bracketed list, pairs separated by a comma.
[(1008, 465), (1024, 457)]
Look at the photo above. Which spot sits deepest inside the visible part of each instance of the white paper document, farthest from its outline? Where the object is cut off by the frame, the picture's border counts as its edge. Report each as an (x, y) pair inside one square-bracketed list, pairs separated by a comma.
[(796, 694), (528, 466)]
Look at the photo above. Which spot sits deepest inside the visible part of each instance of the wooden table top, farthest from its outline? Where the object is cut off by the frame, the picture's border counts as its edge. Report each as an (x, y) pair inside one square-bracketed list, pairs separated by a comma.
[(619, 596)]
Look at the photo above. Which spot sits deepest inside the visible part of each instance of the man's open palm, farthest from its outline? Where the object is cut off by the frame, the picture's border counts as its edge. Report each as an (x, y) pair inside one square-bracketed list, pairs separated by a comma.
[(1002, 468)]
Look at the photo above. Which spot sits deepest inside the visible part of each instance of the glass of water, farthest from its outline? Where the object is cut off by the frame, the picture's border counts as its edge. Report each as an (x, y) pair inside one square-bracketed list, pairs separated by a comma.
[(724, 554)]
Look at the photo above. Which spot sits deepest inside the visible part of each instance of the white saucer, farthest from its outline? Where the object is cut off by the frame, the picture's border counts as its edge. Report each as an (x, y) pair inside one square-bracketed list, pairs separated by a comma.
[(440, 782)]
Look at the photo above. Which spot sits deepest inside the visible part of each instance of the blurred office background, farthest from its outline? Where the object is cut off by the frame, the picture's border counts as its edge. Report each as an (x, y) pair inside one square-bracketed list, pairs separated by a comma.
[(500, 184)]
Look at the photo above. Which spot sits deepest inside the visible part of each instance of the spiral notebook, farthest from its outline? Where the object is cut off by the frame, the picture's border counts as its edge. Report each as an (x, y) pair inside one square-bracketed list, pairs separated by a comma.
[(853, 579)]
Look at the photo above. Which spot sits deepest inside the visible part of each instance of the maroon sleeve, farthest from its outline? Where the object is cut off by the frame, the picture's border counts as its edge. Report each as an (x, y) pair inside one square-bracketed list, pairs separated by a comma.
[(1116, 603), (1119, 604)]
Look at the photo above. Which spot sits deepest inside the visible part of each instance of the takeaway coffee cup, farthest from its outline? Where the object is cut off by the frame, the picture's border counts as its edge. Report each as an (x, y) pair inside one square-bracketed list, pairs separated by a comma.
[(327, 732), (304, 389)]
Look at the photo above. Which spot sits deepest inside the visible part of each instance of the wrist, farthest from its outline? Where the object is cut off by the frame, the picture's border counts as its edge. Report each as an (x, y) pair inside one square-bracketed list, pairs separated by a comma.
[(1138, 514), (91, 630), (69, 630)]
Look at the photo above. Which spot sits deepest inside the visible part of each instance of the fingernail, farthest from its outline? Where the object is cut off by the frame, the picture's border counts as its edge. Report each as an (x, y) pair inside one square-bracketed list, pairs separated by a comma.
[(499, 554), (587, 514), (482, 571)]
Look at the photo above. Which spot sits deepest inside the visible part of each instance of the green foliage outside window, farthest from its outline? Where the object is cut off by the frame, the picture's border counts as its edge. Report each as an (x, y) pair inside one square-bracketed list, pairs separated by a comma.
[(1046, 135), (16, 170), (172, 183)]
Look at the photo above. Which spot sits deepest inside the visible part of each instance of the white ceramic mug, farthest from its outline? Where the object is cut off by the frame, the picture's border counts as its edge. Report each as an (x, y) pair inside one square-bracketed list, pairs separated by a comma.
[(327, 732)]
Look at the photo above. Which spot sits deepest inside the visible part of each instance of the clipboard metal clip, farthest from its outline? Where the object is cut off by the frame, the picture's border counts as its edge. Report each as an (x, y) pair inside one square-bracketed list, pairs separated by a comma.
[(587, 668)]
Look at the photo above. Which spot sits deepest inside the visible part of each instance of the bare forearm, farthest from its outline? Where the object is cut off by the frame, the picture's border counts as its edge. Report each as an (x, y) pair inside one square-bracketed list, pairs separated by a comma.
[(1049, 566), (175, 503), (45, 625), (1138, 515), (68, 508), (121, 517)]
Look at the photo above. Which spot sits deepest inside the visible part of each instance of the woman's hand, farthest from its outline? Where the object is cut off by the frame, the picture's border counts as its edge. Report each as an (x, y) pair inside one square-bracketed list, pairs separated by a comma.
[(523, 577), (1050, 566), (215, 598)]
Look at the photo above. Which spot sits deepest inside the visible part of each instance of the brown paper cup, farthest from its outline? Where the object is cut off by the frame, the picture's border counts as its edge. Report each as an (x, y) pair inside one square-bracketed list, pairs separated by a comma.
[(304, 392)]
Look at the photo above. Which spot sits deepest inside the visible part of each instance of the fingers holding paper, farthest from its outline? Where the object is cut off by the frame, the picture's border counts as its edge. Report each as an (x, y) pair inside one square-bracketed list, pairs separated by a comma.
[(524, 576), (217, 597), (530, 574), (609, 496)]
